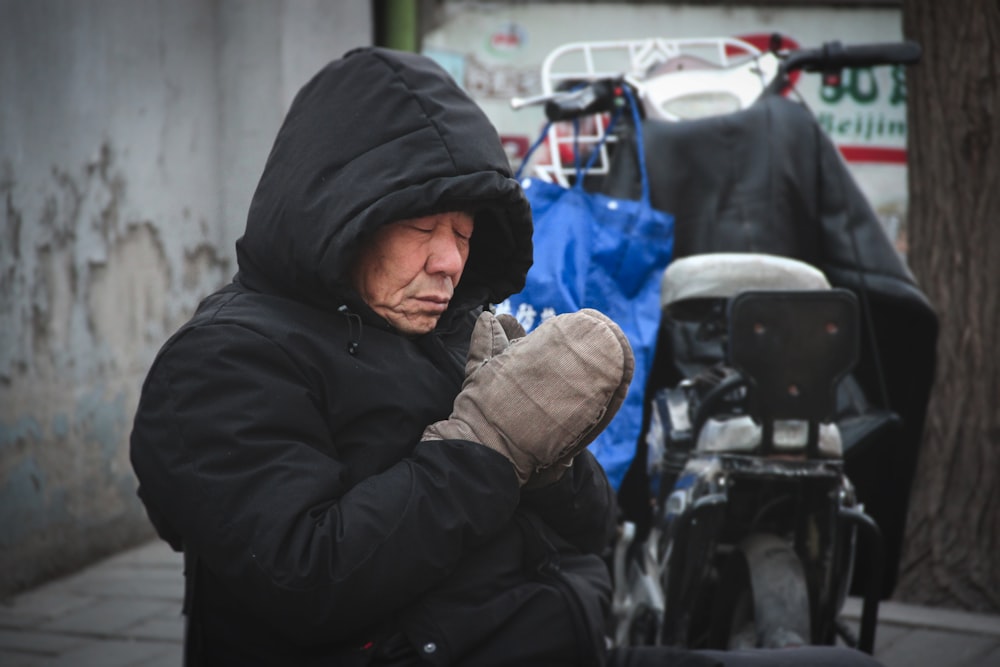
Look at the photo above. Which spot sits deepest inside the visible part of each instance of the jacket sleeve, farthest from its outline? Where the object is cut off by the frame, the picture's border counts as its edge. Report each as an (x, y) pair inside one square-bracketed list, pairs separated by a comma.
[(580, 506), (232, 455)]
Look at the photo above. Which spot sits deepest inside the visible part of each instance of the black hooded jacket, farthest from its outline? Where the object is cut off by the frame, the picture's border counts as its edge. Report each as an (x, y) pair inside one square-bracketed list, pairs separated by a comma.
[(277, 437)]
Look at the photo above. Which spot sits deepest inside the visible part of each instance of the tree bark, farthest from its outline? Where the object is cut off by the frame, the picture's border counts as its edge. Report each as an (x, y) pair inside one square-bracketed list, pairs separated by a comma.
[(950, 556)]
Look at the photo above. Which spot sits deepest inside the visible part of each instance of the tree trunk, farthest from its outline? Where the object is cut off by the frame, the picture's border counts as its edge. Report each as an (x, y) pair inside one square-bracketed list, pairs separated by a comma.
[(950, 555)]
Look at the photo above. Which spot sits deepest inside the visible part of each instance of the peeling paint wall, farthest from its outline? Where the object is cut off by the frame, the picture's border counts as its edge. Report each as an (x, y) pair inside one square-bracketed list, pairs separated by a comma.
[(132, 133)]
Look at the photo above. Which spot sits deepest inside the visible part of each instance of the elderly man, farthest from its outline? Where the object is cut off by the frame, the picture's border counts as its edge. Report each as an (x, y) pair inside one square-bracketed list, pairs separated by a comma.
[(361, 464)]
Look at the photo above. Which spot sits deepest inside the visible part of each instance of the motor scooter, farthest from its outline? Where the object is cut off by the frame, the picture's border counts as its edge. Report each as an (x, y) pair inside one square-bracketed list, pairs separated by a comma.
[(794, 356)]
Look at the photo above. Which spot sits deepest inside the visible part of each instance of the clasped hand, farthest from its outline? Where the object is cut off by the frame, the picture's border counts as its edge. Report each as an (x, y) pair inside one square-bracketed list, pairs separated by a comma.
[(540, 398)]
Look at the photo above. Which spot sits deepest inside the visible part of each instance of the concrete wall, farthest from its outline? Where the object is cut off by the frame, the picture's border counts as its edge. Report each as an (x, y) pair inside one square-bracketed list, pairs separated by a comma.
[(132, 134)]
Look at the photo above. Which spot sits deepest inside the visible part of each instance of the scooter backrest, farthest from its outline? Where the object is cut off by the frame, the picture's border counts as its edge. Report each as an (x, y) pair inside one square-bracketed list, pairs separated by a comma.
[(795, 347)]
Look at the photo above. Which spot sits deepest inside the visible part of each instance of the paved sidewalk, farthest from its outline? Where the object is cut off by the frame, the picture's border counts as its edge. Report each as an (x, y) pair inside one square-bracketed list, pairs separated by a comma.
[(121, 612), (125, 612)]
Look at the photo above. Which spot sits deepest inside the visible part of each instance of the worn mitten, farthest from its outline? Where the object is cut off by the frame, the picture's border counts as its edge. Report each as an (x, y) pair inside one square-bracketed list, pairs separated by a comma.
[(541, 398)]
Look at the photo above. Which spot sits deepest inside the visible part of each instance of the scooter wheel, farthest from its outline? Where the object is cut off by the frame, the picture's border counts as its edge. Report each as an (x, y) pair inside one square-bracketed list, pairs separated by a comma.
[(763, 598)]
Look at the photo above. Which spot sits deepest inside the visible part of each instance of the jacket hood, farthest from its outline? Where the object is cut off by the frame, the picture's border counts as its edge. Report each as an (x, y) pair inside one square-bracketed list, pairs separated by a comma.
[(374, 137)]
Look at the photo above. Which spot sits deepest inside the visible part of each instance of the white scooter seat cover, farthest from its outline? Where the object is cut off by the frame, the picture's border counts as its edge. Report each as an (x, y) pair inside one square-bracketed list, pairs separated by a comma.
[(725, 274)]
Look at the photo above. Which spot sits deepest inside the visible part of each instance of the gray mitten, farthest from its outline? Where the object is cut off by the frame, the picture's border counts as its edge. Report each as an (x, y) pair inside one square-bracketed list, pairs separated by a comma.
[(540, 399)]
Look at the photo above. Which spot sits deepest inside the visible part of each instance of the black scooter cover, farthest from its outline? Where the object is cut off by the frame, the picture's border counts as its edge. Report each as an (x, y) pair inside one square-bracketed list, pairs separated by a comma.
[(767, 179)]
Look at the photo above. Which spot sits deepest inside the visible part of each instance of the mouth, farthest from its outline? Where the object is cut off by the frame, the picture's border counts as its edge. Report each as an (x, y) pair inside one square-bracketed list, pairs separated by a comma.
[(435, 303)]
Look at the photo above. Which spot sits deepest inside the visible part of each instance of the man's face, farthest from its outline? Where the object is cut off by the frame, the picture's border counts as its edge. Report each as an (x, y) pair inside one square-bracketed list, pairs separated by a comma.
[(409, 270)]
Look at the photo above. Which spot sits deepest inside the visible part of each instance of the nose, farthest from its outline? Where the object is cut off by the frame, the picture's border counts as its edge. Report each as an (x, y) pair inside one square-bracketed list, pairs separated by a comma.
[(446, 255)]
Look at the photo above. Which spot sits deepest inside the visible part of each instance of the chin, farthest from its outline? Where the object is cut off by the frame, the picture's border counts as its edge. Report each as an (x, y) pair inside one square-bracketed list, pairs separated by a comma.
[(411, 328)]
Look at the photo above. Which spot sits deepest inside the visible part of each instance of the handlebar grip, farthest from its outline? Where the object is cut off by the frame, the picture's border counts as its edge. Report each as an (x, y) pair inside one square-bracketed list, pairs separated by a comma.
[(834, 55), (593, 98), (571, 105), (871, 55)]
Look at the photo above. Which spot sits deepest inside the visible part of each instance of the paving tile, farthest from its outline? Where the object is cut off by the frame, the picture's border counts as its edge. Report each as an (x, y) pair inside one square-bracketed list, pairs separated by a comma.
[(172, 657), (108, 617), (11, 659), (935, 647), (115, 653), (161, 628), (42, 643), (990, 659), (155, 554), (943, 619), (123, 582), (927, 617), (887, 635), (29, 609)]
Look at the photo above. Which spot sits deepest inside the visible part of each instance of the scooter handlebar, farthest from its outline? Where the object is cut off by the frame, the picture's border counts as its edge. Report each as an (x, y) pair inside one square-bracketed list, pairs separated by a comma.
[(600, 95), (836, 56)]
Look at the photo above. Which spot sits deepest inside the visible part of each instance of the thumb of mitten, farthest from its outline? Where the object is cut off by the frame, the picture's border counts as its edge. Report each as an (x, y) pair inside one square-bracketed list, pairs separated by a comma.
[(491, 336), (511, 326)]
